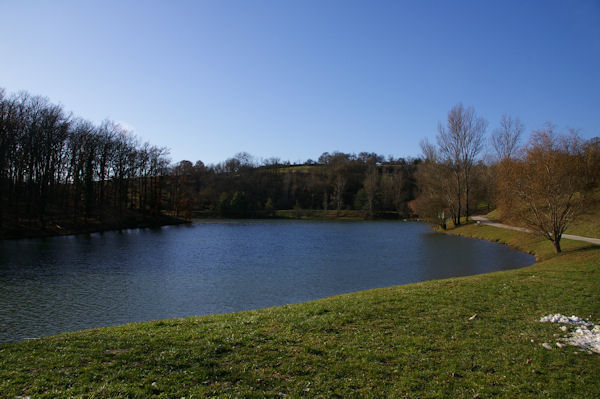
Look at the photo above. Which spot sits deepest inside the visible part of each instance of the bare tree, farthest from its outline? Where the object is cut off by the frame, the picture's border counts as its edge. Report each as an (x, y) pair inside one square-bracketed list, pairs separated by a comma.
[(590, 157), (339, 185), (505, 139), (370, 185), (460, 143), (436, 187), (544, 187)]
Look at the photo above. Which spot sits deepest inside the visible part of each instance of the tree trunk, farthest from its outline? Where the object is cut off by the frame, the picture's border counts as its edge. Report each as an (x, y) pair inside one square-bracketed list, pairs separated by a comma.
[(467, 204), (459, 199), (556, 243)]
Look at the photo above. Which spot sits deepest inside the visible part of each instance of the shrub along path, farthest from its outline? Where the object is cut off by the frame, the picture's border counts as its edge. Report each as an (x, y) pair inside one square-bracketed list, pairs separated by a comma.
[(418, 340)]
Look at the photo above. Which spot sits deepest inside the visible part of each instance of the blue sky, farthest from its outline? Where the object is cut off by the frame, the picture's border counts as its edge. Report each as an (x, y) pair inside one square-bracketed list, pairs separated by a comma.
[(293, 79)]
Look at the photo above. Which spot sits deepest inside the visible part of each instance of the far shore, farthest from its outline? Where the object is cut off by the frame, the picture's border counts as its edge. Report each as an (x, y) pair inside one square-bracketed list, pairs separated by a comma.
[(87, 226), (137, 220)]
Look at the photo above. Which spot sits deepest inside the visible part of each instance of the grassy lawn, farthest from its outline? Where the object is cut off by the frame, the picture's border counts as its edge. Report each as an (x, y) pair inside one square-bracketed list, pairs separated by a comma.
[(406, 341), (588, 224)]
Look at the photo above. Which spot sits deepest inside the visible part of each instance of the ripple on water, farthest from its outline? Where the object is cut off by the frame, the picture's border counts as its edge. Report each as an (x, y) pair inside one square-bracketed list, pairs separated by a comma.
[(68, 283)]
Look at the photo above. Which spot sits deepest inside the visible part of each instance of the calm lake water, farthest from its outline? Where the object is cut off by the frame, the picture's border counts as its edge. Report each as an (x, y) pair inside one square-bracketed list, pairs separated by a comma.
[(58, 284)]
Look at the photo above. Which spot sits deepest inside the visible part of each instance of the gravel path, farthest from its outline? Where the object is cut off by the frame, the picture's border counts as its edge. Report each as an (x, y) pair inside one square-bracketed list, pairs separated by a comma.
[(484, 220)]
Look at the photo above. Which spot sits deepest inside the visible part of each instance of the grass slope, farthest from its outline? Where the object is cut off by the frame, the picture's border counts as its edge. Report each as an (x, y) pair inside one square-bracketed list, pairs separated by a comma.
[(588, 223), (407, 341)]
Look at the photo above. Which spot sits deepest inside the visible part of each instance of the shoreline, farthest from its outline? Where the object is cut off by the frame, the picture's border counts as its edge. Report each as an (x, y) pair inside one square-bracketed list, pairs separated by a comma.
[(475, 336), (132, 221)]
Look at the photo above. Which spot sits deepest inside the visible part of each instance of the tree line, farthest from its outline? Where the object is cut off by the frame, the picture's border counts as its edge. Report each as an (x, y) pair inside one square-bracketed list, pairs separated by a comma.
[(543, 184), (54, 166), (244, 187)]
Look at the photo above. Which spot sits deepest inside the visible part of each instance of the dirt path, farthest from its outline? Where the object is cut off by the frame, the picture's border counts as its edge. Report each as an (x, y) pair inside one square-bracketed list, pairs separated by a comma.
[(484, 220)]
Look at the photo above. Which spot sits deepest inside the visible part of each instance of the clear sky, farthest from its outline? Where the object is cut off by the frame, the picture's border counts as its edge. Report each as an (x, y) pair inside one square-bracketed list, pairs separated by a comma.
[(293, 79)]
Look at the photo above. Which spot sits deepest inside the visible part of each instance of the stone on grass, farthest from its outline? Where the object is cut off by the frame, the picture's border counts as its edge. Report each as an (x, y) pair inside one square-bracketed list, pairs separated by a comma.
[(586, 336), (559, 318)]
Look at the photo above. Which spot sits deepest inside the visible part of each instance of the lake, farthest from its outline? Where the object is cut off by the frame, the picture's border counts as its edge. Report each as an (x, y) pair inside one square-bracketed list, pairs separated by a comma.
[(52, 285)]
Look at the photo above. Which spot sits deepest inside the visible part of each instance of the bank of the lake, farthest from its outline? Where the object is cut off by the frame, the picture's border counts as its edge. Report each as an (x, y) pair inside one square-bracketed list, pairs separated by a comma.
[(417, 340), (81, 225)]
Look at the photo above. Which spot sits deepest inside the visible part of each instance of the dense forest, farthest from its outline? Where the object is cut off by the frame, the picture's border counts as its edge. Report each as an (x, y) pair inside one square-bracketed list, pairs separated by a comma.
[(59, 173), (56, 169), (241, 187)]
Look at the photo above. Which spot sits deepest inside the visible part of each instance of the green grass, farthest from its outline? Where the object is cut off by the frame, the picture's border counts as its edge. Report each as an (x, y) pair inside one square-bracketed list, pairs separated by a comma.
[(526, 242), (407, 341), (493, 215), (588, 223)]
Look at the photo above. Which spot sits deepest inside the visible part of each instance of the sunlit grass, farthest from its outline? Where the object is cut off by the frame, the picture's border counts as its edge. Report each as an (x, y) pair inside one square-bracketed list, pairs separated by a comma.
[(588, 223)]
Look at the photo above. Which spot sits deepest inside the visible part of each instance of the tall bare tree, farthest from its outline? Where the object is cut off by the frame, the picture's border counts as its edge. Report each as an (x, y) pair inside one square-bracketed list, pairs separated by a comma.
[(460, 143)]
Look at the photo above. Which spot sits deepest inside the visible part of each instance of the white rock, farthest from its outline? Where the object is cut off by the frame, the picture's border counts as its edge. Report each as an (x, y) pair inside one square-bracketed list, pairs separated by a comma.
[(586, 336), (588, 340), (547, 345), (559, 318)]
